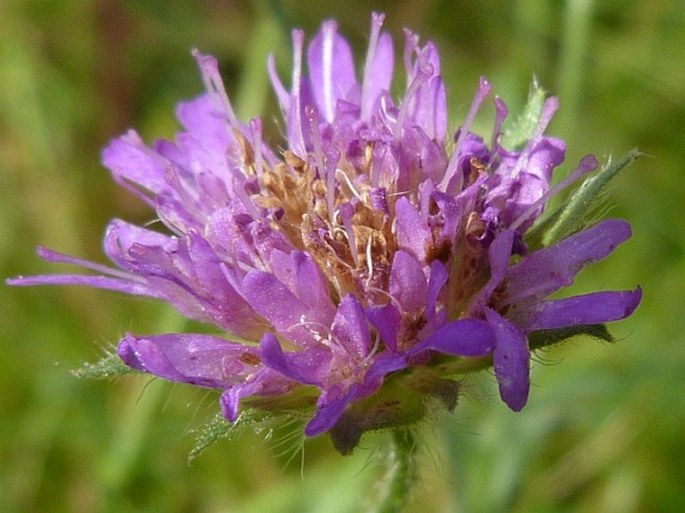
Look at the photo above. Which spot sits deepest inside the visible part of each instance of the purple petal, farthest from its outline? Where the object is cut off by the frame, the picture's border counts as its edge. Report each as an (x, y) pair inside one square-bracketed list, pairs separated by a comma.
[(202, 360), (408, 283), (331, 69), (132, 162), (463, 337), (206, 124), (594, 308), (413, 233), (121, 237), (383, 365), (312, 288), (378, 69), (499, 254), (350, 327), (438, 279), (309, 366), (330, 408), (271, 299), (265, 382), (387, 320), (511, 359), (547, 270), (430, 106), (100, 282)]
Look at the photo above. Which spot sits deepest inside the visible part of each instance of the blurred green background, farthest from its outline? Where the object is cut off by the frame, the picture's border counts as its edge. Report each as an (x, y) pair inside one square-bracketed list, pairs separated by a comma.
[(605, 427)]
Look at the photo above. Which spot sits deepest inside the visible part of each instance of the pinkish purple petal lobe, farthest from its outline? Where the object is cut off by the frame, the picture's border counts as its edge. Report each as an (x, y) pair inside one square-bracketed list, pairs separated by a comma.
[(435, 119), (511, 359), (413, 233), (308, 366), (463, 337), (230, 403), (594, 308), (499, 254), (331, 69), (438, 279), (547, 270), (121, 237), (271, 299), (201, 118), (330, 408), (277, 84), (383, 365), (387, 320), (377, 73), (350, 328), (201, 360), (265, 382), (408, 283), (312, 288), (132, 162), (100, 282)]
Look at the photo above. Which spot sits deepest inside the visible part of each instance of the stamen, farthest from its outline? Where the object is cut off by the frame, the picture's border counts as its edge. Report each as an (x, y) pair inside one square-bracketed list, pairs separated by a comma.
[(313, 117), (484, 89), (257, 130), (423, 73), (349, 183), (587, 164), (332, 158), (209, 68), (501, 114), (369, 261), (549, 108), (279, 88), (374, 349), (239, 191), (411, 42), (346, 213), (52, 256), (387, 294), (309, 326)]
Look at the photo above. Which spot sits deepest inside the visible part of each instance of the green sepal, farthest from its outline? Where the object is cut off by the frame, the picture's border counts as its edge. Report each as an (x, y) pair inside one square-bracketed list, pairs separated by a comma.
[(400, 403), (516, 135), (581, 208), (111, 366), (218, 428), (545, 338)]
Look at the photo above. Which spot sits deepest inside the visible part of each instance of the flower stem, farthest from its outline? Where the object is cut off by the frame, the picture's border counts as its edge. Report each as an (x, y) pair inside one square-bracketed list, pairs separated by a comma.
[(402, 471)]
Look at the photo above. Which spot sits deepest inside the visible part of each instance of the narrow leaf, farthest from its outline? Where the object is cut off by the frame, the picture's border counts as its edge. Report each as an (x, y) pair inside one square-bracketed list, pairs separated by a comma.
[(577, 212), (111, 366), (521, 129)]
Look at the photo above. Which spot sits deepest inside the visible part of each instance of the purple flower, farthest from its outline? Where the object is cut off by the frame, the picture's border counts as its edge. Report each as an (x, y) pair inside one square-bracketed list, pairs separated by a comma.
[(372, 253)]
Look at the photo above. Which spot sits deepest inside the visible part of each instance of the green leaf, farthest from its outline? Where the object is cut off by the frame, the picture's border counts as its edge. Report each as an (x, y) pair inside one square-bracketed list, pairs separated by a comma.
[(111, 366), (578, 212), (521, 129), (218, 428)]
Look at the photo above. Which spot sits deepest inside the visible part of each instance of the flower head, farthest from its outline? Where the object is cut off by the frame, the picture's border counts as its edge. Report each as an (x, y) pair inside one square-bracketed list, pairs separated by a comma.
[(363, 266)]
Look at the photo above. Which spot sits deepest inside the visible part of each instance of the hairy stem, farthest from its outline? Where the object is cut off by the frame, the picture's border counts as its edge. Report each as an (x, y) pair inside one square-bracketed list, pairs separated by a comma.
[(402, 471)]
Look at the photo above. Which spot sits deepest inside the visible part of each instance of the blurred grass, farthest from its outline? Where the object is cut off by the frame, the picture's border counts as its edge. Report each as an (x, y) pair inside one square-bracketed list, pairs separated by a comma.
[(604, 430)]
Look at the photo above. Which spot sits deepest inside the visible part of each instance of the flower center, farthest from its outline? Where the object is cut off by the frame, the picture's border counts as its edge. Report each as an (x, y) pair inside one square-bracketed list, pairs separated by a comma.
[(334, 219)]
